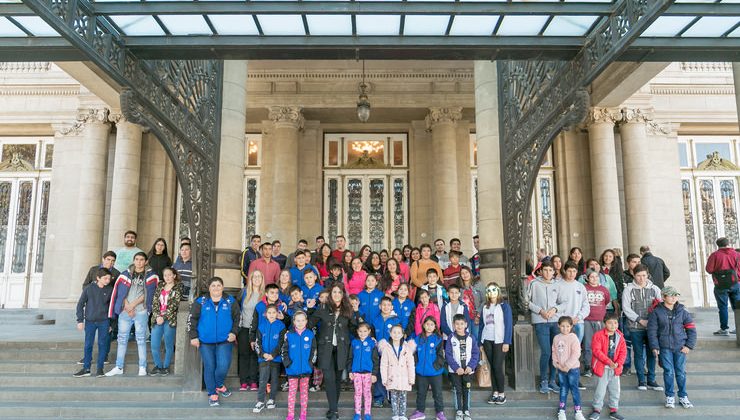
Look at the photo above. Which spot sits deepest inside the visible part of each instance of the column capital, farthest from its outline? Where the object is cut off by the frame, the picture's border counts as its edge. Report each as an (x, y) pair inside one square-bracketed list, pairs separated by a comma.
[(657, 129), (439, 115), (636, 115), (84, 116), (289, 115), (598, 115)]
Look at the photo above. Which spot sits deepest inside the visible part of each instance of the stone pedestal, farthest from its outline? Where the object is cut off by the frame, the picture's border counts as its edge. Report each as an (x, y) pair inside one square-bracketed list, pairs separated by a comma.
[(124, 206), (188, 363), (442, 122), (525, 360), (287, 121), (604, 179), (637, 167)]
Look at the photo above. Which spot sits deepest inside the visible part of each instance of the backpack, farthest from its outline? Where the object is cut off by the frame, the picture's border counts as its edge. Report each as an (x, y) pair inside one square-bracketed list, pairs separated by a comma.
[(724, 279)]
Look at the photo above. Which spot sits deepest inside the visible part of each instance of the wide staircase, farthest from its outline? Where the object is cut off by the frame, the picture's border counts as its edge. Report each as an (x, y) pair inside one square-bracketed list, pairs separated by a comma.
[(36, 383)]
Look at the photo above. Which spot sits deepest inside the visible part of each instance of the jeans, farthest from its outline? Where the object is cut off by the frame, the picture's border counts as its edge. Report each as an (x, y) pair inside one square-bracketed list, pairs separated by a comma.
[(674, 364), (269, 373), (724, 297), (101, 328), (589, 328), (608, 382), (125, 322), (380, 394), (546, 332), (422, 387), (579, 331), (216, 361), (569, 382), (642, 352), (168, 333)]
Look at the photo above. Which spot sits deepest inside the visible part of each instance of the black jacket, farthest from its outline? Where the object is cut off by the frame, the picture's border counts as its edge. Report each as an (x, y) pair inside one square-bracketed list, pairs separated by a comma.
[(659, 273), (93, 304), (159, 262), (93, 272), (325, 321)]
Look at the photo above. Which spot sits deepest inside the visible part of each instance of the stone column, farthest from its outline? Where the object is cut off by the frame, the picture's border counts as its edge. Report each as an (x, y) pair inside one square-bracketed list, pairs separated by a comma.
[(230, 216), (736, 81), (442, 122), (636, 164), (93, 165), (490, 210), (287, 121), (604, 186), (125, 190)]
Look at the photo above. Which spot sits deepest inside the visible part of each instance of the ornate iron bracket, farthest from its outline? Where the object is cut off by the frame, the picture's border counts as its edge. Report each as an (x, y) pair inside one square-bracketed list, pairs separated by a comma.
[(537, 100), (178, 100)]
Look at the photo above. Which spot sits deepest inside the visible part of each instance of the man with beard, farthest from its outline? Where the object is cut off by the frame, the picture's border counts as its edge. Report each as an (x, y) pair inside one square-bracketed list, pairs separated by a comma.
[(125, 255)]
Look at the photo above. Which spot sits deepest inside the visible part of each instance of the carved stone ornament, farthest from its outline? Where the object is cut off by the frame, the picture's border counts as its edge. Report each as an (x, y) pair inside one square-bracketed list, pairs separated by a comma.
[(438, 115), (636, 115), (287, 115), (84, 116), (655, 129), (598, 115), (715, 162)]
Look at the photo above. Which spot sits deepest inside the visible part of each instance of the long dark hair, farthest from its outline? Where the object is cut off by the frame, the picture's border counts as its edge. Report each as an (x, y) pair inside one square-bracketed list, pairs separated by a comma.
[(362, 250), (369, 263), (387, 281), (350, 271), (403, 253), (344, 307), (319, 258), (152, 251), (436, 327)]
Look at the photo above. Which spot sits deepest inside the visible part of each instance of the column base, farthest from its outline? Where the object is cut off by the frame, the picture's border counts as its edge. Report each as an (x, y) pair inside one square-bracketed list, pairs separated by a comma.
[(522, 374), (187, 360)]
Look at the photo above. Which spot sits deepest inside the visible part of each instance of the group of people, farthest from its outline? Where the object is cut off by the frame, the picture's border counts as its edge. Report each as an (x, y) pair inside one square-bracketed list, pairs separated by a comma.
[(132, 289)]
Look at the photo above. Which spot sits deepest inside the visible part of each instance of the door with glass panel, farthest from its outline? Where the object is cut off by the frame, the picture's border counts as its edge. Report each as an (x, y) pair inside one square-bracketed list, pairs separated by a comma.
[(23, 214)]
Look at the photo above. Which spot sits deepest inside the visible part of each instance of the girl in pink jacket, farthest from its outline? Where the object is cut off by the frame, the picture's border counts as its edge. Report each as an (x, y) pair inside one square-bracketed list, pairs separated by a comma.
[(424, 309), (397, 369)]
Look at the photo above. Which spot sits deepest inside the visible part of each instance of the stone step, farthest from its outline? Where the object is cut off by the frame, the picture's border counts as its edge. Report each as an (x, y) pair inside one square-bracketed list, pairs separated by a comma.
[(72, 355), (130, 379)]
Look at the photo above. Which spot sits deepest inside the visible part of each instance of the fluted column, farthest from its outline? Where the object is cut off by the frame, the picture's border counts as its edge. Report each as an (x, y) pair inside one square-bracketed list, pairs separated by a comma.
[(637, 167), (287, 121), (442, 122), (604, 178), (125, 190)]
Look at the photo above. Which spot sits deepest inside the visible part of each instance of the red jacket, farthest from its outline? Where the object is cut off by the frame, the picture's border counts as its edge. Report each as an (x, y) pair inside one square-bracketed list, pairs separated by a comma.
[(723, 259), (600, 349)]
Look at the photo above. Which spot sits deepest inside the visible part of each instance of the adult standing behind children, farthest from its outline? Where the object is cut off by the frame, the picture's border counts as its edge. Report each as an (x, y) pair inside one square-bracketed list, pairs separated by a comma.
[(159, 257), (420, 268), (659, 272), (184, 266), (125, 255), (269, 268)]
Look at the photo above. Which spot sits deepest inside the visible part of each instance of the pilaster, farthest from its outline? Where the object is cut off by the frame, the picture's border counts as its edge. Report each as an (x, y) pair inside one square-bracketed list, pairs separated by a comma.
[(442, 122), (287, 121)]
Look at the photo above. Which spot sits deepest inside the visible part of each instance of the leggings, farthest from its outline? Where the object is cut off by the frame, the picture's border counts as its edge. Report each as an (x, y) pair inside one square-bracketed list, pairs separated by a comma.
[(332, 382), (247, 360), (398, 403), (495, 355), (363, 391), (293, 386)]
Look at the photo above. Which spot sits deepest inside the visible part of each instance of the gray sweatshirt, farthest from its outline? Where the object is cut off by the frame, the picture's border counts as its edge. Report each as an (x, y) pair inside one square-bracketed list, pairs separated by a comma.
[(542, 295), (637, 301), (572, 300)]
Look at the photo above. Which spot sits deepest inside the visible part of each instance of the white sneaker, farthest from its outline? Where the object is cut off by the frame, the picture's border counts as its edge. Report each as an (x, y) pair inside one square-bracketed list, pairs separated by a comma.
[(394, 418), (142, 371), (459, 415), (579, 415), (685, 403), (115, 371), (670, 402), (466, 416), (561, 415), (258, 407), (270, 404)]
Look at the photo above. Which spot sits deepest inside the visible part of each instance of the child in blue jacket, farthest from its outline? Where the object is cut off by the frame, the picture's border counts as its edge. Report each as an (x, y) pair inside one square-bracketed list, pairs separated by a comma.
[(454, 307), (430, 366), (403, 306), (299, 355), (370, 298), (268, 343), (364, 367), (384, 320)]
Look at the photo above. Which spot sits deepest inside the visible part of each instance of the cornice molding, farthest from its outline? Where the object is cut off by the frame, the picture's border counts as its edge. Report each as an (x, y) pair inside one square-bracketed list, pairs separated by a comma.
[(39, 91), (25, 67), (666, 89), (706, 67), (354, 75)]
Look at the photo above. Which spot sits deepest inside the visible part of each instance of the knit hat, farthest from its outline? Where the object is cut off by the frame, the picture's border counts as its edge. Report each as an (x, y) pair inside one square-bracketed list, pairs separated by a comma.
[(589, 272), (670, 291)]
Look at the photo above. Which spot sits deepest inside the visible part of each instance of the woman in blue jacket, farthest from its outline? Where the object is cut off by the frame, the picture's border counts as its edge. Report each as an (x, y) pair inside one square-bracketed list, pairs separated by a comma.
[(212, 326), (299, 356)]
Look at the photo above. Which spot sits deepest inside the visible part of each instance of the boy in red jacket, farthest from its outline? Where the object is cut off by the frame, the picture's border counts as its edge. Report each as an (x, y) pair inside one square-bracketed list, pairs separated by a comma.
[(609, 352)]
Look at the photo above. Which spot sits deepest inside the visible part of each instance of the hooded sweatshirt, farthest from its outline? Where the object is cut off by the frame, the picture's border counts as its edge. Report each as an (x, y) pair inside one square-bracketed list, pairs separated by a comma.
[(572, 300), (637, 301), (542, 296)]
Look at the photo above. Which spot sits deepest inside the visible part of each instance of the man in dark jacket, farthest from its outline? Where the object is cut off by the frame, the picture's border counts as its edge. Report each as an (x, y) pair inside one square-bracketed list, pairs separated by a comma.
[(109, 260), (724, 266), (92, 317), (659, 272)]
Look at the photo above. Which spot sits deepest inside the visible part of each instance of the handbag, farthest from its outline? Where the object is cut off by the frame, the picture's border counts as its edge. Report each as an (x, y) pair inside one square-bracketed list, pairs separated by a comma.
[(483, 374)]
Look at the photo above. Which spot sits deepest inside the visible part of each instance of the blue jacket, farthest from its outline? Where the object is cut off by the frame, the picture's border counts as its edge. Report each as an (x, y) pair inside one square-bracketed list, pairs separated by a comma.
[(296, 275), (430, 355), (299, 353), (293, 307), (123, 283), (212, 323), (311, 293), (269, 340), (364, 357), (508, 324), (446, 316), (453, 352), (671, 330), (403, 310), (382, 327), (259, 316), (370, 303)]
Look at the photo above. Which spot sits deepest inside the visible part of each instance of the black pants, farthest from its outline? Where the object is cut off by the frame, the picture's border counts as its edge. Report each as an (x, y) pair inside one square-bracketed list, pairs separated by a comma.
[(247, 361), (461, 388), (269, 371), (422, 386), (333, 382), (495, 355)]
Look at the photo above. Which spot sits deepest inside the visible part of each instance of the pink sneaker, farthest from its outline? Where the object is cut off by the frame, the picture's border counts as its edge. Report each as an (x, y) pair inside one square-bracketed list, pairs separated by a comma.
[(418, 415), (289, 418), (441, 416), (243, 387), (253, 387), (302, 417)]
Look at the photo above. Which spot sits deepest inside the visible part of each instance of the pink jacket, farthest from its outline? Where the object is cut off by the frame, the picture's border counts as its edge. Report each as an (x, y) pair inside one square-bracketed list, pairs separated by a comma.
[(566, 352), (356, 283), (420, 314), (397, 372)]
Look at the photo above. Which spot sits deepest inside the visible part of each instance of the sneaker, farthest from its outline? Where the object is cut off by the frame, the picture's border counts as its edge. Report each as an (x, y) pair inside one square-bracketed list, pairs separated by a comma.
[(302, 417), (441, 416), (466, 416), (723, 333), (225, 393), (501, 400), (82, 373), (733, 332), (595, 415), (258, 407), (107, 361), (213, 401), (164, 371), (581, 386), (459, 415), (253, 386), (357, 416), (243, 387), (626, 372), (154, 372), (289, 418), (642, 386), (81, 361), (616, 416), (543, 388), (115, 371), (378, 404), (685, 403), (100, 373), (670, 402), (284, 387), (314, 388), (270, 404), (369, 417), (579, 415), (553, 387), (588, 374), (493, 399), (333, 415), (561, 415), (418, 415), (142, 371), (654, 386)]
